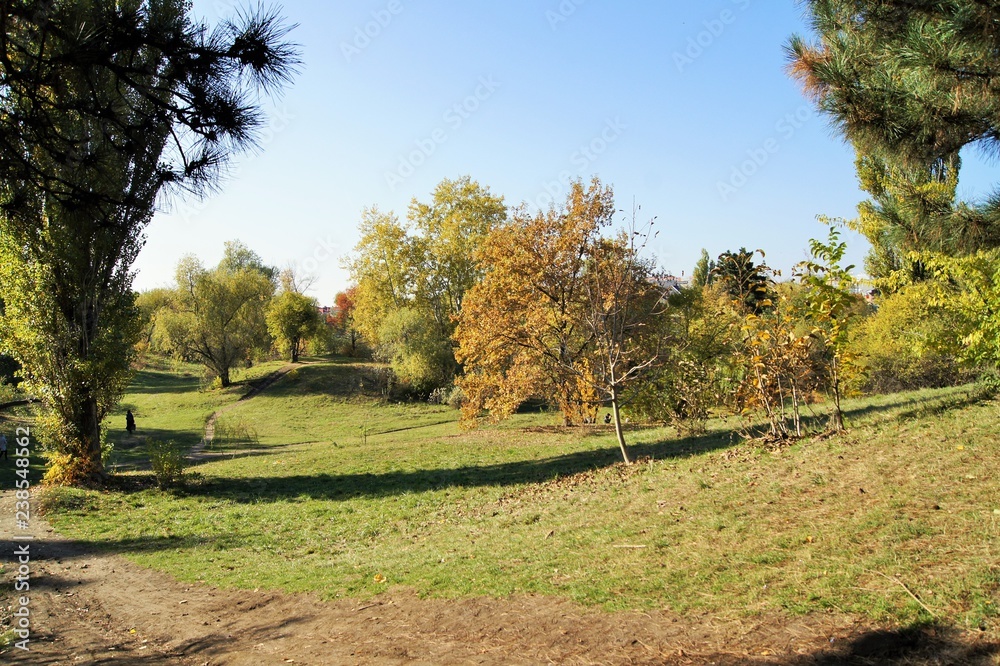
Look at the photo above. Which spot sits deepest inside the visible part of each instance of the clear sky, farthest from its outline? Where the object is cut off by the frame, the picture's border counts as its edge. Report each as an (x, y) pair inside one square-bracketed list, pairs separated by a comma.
[(683, 107)]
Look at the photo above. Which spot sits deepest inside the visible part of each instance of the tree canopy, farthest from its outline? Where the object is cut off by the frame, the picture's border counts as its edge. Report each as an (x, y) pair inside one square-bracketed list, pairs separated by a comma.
[(103, 104), (425, 267), (910, 84), (218, 317)]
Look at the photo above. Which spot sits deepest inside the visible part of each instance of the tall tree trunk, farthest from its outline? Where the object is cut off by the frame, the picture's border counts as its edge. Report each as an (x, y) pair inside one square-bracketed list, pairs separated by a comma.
[(619, 433), (224, 378)]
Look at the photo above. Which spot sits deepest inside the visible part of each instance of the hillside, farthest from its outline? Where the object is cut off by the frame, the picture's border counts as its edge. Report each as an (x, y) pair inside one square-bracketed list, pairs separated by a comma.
[(895, 524)]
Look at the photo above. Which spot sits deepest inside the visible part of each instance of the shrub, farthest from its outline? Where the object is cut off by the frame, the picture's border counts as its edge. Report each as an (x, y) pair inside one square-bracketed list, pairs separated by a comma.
[(913, 341), (235, 430), (167, 460), (451, 396)]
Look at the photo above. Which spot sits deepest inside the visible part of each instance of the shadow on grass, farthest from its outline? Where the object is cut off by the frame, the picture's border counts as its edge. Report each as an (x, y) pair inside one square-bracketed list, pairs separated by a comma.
[(916, 406), (131, 452), (349, 486), (153, 381)]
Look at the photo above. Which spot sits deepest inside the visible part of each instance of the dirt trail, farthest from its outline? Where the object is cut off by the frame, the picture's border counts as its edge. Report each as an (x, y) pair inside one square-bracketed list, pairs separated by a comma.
[(92, 608), (198, 450)]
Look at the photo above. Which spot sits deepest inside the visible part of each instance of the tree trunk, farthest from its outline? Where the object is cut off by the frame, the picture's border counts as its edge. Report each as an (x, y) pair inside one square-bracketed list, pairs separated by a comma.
[(224, 378), (619, 433), (90, 437), (838, 414)]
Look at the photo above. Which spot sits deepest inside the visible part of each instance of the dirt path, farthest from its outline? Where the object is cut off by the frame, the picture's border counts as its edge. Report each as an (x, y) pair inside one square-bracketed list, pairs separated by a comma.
[(198, 450), (88, 607), (92, 608)]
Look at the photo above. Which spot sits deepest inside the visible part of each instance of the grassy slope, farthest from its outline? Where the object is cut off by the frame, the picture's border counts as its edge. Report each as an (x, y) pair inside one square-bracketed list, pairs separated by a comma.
[(167, 402), (344, 492)]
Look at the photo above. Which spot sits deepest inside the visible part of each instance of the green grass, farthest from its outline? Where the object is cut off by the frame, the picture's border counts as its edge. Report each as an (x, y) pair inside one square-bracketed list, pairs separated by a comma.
[(170, 401), (344, 490)]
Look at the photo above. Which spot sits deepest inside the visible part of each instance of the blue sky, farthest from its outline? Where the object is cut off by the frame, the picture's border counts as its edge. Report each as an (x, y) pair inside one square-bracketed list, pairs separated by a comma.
[(683, 107)]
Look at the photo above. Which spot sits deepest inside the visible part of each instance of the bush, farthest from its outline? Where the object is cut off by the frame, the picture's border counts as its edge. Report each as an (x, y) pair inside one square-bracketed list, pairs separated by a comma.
[(913, 341), (168, 462), (452, 396), (235, 430)]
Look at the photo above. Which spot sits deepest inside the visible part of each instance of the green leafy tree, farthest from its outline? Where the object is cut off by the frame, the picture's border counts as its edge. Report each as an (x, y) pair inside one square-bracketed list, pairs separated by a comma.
[(103, 104), (831, 301), (450, 229), (418, 353), (913, 340), (703, 270), (218, 316), (293, 319), (972, 285), (700, 331), (748, 283), (426, 267)]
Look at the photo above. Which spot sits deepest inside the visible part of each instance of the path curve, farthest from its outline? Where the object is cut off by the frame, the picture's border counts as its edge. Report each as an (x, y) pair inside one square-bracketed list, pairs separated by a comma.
[(91, 607), (198, 450)]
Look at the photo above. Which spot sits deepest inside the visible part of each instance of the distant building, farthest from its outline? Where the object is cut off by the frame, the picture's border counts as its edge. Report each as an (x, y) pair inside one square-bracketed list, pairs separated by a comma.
[(671, 284)]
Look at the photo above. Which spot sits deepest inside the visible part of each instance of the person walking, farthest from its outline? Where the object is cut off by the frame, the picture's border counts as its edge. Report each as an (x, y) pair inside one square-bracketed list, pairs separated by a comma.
[(129, 422), (3, 446)]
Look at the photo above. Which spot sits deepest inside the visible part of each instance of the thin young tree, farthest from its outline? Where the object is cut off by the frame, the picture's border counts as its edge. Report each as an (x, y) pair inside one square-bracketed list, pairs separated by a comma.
[(622, 301)]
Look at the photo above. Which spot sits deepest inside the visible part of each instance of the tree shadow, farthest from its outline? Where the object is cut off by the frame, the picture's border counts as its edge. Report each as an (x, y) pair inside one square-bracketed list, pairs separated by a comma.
[(155, 381), (909, 646), (340, 487), (907, 408)]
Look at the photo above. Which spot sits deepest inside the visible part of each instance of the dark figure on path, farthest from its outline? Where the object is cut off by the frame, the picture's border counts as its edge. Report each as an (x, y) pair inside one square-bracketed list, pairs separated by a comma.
[(607, 419), (3, 446), (129, 422)]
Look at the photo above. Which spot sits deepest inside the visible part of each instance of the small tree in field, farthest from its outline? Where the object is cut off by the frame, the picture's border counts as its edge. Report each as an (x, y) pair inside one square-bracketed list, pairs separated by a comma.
[(830, 302), (621, 302), (292, 320)]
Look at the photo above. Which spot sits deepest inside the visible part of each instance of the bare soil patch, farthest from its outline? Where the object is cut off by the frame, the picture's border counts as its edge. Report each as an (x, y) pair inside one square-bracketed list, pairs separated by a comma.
[(93, 608)]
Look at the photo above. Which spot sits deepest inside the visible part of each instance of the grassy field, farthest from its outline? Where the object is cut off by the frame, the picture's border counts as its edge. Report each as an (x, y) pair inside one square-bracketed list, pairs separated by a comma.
[(168, 401), (348, 496)]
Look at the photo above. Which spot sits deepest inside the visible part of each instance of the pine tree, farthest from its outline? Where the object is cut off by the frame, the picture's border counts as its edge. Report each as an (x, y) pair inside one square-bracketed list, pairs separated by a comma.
[(910, 84)]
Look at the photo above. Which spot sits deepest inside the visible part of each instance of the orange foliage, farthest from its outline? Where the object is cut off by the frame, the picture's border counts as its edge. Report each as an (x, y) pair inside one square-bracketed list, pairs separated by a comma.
[(520, 333)]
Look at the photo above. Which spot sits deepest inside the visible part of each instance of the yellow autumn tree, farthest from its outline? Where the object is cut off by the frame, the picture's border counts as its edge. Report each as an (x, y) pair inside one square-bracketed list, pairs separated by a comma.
[(564, 313), (522, 332)]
